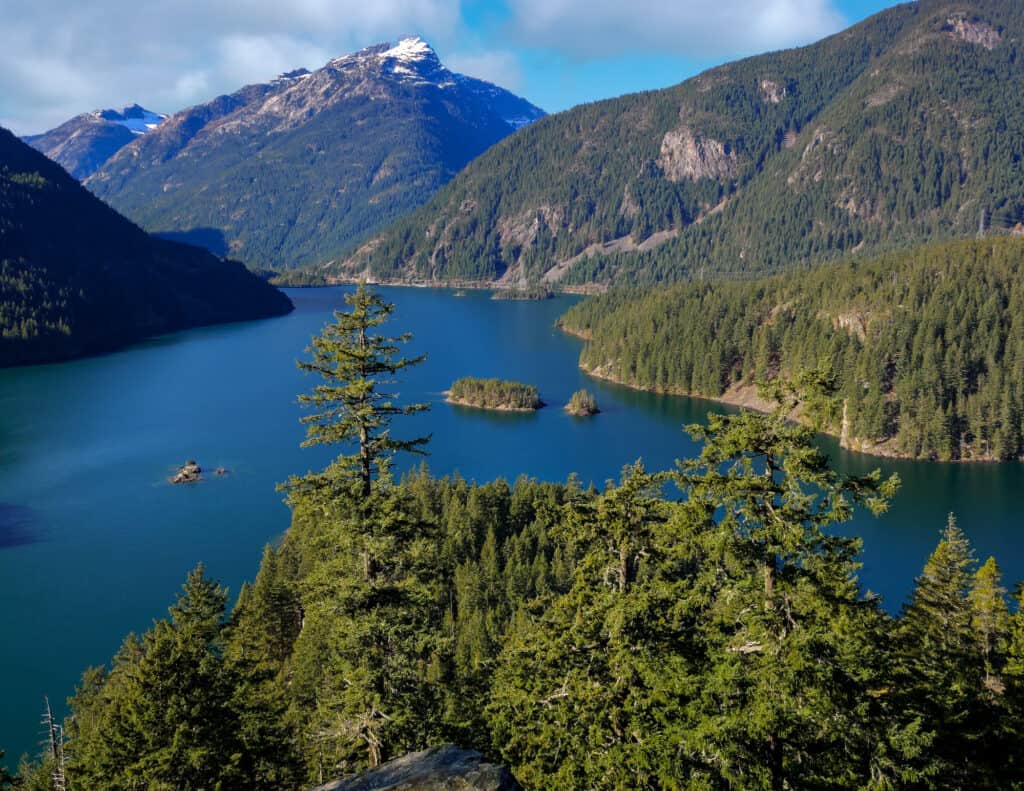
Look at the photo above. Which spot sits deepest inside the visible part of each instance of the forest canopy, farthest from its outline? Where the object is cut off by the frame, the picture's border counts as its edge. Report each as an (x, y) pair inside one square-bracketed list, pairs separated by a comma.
[(923, 348), (494, 394)]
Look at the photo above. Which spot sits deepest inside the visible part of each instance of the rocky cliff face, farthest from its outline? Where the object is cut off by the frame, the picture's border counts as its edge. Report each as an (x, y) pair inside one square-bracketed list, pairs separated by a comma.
[(82, 144), (446, 768), (684, 155), (297, 170)]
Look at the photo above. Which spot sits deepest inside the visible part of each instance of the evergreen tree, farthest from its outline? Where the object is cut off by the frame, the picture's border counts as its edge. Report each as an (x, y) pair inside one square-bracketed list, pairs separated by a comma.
[(355, 364), (791, 656), (260, 636), (990, 621), (947, 691), (590, 685), (163, 717)]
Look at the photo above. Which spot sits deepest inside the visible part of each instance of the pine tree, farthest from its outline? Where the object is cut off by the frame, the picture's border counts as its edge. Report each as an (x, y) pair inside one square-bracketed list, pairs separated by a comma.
[(355, 364), (163, 716), (590, 684), (786, 693), (951, 619), (990, 621)]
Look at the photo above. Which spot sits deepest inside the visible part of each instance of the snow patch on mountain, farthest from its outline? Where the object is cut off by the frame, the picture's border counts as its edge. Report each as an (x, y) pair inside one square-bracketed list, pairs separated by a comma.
[(135, 118), (412, 48)]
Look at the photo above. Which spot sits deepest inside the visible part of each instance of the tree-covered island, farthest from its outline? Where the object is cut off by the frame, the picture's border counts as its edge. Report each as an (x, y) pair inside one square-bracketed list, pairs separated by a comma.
[(494, 394), (582, 404)]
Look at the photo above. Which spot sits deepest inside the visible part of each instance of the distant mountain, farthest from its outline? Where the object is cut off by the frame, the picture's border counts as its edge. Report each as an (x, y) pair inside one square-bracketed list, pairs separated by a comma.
[(88, 140), (904, 128), (295, 171), (76, 278)]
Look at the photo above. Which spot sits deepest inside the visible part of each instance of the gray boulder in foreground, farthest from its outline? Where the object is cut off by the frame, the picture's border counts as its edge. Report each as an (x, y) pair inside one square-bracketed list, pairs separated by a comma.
[(445, 768)]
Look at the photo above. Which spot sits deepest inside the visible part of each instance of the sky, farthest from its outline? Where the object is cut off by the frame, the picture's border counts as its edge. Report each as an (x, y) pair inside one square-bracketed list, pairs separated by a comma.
[(59, 58)]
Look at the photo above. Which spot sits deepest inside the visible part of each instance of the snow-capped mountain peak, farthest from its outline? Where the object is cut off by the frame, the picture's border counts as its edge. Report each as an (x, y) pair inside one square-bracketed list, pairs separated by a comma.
[(410, 60), (413, 62), (411, 49)]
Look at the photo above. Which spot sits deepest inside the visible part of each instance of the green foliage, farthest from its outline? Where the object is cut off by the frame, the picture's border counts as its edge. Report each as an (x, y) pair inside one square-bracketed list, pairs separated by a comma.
[(582, 403), (948, 692), (620, 639), (896, 132), (6, 778), (354, 363), (76, 278), (174, 712), (494, 394), (924, 348), (298, 278)]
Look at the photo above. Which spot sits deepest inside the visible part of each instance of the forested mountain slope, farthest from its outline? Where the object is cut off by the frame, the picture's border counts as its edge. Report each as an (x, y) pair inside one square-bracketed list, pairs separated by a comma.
[(77, 278), (292, 171), (926, 346), (903, 128)]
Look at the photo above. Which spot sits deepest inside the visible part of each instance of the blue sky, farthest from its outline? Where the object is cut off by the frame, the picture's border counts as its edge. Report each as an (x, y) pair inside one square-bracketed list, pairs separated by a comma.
[(62, 57), (558, 77)]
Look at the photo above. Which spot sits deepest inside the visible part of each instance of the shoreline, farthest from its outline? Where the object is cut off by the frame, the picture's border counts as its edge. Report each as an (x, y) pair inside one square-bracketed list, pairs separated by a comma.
[(332, 281), (744, 397), (460, 402)]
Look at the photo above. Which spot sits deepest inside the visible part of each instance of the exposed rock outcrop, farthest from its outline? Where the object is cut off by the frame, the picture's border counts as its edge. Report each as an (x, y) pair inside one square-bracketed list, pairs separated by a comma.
[(772, 92), (685, 155), (189, 472), (445, 768), (973, 32)]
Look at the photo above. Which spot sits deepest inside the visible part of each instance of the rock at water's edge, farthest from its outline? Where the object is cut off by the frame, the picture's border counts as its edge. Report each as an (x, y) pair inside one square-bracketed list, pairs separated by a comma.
[(445, 768), (189, 472)]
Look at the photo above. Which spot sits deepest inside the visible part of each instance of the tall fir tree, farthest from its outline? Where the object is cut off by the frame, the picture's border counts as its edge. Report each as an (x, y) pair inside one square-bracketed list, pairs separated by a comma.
[(948, 690), (355, 364)]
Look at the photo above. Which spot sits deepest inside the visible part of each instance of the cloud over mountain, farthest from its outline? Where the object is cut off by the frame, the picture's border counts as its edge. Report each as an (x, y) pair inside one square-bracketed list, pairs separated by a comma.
[(695, 28), (61, 57)]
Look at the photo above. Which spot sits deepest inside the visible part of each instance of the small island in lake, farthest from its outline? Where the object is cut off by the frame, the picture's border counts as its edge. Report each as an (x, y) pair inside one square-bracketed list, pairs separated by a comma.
[(494, 394), (189, 472), (582, 404)]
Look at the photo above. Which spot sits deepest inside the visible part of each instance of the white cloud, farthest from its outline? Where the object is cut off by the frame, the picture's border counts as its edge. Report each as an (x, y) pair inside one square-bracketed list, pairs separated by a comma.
[(500, 67), (241, 56), (692, 28), (62, 57)]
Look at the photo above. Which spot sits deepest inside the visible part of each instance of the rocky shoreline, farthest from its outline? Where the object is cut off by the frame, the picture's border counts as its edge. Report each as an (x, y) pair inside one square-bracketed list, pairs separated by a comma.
[(462, 402)]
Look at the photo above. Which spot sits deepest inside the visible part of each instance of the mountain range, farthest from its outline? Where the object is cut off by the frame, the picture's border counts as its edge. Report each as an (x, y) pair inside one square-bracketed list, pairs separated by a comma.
[(82, 144), (901, 129), (294, 171), (77, 278)]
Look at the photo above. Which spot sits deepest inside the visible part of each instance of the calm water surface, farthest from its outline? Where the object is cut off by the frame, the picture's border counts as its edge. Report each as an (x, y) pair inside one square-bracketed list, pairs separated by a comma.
[(94, 542)]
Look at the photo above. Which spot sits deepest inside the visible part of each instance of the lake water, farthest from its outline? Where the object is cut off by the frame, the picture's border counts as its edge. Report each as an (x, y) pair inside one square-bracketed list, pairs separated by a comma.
[(94, 542)]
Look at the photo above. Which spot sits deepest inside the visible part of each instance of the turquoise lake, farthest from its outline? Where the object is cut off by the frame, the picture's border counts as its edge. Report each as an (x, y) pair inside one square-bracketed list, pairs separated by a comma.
[(95, 543)]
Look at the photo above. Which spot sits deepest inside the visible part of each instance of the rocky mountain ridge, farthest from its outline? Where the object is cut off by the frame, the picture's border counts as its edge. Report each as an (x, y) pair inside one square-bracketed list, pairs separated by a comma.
[(83, 143)]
